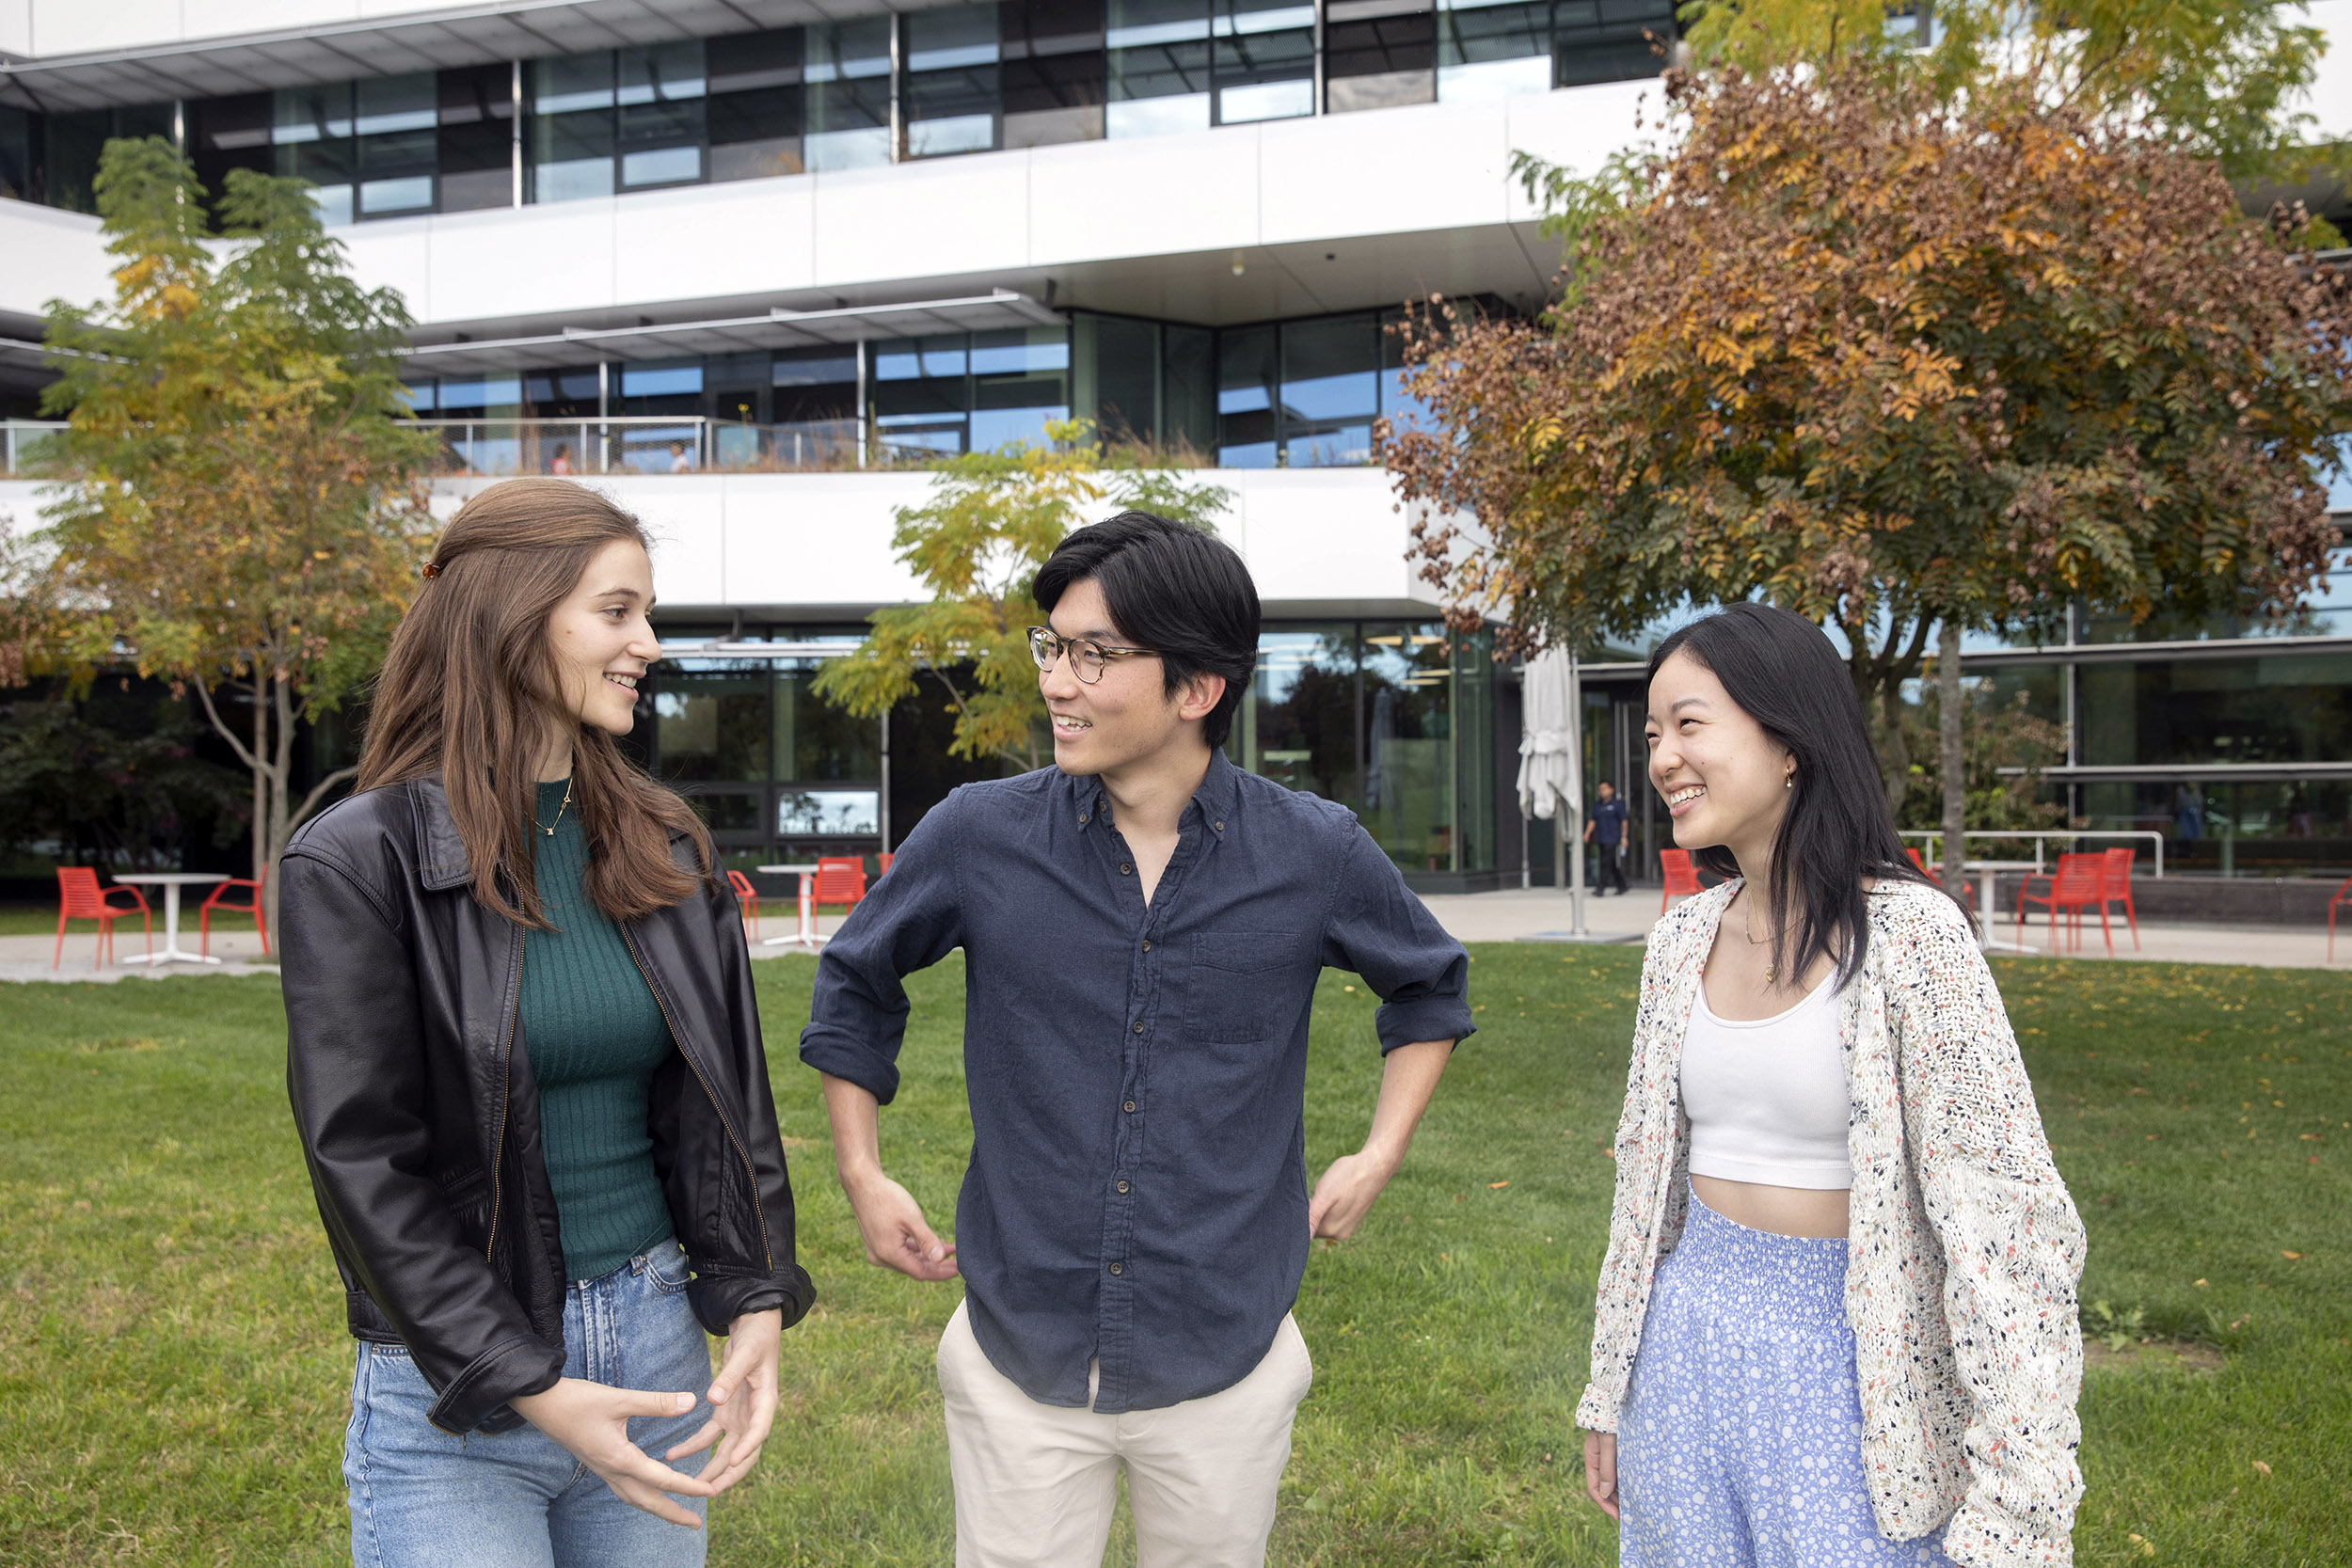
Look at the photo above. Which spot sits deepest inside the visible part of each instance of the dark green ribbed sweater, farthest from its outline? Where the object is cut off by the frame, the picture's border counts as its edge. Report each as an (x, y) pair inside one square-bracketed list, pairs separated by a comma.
[(595, 1035)]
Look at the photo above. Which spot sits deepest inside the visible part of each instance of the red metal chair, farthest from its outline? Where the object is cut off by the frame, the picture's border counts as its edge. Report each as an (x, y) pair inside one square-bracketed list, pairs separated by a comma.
[(1935, 874), (2342, 900), (80, 897), (840, 880), (1682, 877), (2119, 886), (2081, 883), (220, 900), (885, 866), (746, 899)]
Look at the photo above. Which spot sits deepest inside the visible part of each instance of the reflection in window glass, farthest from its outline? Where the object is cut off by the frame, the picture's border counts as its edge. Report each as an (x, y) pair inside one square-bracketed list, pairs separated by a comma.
[(1380, 62), (1245, 398), (1408, 751), (1159, 67), (847, 94), (1298, 724), (952, 87), (814, 740), (828, 812), (1052, 72), (1264, 62), (711, 721), (1020, 381), (1493, 51), (754, 110)]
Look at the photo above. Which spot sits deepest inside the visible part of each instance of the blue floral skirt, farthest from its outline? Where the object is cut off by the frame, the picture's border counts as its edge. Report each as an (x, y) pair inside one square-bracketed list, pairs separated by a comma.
[(1739, 1442)]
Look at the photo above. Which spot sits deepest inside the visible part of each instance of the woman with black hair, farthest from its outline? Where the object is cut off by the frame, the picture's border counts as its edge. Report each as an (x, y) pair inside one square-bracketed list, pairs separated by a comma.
[(1836, 1321)]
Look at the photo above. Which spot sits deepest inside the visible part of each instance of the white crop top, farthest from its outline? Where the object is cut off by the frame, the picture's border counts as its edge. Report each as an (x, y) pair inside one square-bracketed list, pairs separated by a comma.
[(1766, 1097)]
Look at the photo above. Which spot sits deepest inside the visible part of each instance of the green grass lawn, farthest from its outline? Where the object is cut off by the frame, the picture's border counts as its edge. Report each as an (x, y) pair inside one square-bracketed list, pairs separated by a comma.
[(173, 1370), (40, 920)]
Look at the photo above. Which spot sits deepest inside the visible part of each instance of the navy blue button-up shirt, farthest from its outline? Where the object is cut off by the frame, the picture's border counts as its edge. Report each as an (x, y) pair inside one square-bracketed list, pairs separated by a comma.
[(1137, 1192)]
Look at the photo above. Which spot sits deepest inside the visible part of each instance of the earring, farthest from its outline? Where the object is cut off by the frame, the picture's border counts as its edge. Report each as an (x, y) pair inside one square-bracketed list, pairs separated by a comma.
[(1787, 781)]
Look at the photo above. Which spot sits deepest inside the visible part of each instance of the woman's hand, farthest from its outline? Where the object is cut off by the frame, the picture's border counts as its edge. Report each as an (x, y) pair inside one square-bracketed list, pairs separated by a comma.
[(591, 1421), (742, 1401), (1600, 1471)]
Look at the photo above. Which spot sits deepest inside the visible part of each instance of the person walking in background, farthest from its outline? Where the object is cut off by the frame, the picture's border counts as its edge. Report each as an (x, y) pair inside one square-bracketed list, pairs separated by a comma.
[(1143, 927), (2188, 813), (526, 1070), (1836, 1322), (561, 464), (1607, 831)]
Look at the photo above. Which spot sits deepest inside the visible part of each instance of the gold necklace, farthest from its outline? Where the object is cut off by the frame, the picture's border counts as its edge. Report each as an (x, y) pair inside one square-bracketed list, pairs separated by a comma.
[(1747, 930), (549, 830)]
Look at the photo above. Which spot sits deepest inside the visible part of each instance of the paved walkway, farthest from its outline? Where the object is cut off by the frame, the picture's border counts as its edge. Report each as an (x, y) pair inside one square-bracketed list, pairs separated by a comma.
[(1539, 914)]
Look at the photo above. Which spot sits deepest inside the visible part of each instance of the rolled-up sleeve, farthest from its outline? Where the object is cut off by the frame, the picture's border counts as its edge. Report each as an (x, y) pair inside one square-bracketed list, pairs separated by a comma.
[(1380, 931), (911, 920)]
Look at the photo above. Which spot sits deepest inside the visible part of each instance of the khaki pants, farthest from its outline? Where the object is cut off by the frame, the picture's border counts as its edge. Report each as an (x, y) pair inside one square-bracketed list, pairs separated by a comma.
[(1035, 1483)]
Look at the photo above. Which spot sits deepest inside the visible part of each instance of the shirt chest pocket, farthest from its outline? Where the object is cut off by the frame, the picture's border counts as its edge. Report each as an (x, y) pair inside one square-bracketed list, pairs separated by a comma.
[(1242, 984)]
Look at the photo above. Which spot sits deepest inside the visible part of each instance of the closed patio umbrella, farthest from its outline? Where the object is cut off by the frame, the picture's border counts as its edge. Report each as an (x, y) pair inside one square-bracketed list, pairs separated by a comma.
[(1551, 757)]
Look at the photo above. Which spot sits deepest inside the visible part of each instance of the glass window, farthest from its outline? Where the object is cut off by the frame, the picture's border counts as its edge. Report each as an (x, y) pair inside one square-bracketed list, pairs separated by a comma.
[(755, 107), (2294, 707), (1409, 744), (1188, 411), (1298, 724), (1373, 59), (1493, 51), (660, 127), (571, 127), (1403, 411), (1020, 382), (1264, 60), (1158, 66), (475, 151), (1052, 75), (952, 86), (816, 740), (828, 812), (17, 163), (1118, 376), (711, 718), (921, 394), (1604, 40), (847, 94), (1330, 391), (1245, 398), (815, 409), (2258, 828)]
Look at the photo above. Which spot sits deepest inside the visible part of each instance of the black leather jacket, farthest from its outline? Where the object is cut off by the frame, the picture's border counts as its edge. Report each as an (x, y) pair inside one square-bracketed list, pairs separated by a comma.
[(420, 1121)]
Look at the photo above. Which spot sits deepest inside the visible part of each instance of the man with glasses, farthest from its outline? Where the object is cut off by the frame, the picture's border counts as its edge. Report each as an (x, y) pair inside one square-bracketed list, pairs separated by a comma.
[(1143, 926)]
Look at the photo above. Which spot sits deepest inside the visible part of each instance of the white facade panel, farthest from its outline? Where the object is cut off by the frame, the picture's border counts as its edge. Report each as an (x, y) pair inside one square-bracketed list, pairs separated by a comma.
[(757, 236), (75, 26), (1151, 195), (920, 219), (1577, 129), (1452, 158), (556, 257), (46, 254), (16, 27)]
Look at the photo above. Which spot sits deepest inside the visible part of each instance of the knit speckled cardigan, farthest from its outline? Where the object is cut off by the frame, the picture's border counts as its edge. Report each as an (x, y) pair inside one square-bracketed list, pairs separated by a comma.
[(1964, 1248)]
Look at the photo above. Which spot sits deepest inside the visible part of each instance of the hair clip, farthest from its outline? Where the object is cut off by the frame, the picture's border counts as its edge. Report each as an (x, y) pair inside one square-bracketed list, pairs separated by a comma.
[(432, 568)]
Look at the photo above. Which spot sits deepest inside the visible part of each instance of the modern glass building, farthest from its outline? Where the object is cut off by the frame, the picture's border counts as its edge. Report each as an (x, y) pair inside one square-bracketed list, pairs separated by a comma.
[(750, 266)]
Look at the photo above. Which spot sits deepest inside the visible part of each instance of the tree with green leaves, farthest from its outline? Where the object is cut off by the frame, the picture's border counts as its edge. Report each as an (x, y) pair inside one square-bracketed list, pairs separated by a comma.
[(977, 544), (1906, 362), (238, 508)]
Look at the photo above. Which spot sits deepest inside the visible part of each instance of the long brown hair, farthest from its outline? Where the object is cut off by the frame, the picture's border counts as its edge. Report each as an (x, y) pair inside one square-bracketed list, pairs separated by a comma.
[(472, 692)]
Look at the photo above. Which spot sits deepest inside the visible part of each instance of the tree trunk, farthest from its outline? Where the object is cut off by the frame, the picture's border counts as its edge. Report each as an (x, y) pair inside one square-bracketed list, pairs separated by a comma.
[(270, 759), (1949, 761)]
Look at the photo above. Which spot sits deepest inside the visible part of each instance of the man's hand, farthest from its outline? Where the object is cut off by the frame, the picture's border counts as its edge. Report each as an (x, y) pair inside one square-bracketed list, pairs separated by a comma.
[(1600, 1471), (742, 1401), (591, 1421), (896, 1235), (887, 1215), (1345, 1194), (1347, 1191)]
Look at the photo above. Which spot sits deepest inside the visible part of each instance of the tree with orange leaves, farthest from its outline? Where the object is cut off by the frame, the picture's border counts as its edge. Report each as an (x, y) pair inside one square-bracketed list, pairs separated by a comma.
[(1899, 359), (238, 511)]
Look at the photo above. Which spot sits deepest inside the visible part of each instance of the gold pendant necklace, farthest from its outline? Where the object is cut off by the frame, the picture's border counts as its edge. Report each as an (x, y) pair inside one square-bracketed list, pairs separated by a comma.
[(1748, 930), (549, 830)]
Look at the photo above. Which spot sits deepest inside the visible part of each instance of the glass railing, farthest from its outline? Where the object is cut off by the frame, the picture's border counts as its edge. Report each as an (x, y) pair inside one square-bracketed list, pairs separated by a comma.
[(653, 444), (20, 442)]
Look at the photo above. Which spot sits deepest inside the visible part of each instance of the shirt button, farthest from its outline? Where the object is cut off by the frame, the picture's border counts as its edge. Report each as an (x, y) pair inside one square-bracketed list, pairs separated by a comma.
[(1122, 1186), (1082, 816), (1131, 1105), (1117, 1269), (1139, 1026), (1126, 869), (1147, 947), (1220, 826)]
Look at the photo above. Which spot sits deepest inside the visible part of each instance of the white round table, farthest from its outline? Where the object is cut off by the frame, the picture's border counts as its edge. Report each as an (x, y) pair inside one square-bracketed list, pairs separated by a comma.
[(171, 882), (806, 935), (1985, 870)]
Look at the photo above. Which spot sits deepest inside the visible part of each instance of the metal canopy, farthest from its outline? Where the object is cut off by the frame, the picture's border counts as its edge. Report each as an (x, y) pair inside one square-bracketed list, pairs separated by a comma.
[(460, 36), (779, 329)]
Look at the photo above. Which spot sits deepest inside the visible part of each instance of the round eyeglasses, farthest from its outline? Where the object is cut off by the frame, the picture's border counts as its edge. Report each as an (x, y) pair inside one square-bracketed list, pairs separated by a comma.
[(1088, 657)]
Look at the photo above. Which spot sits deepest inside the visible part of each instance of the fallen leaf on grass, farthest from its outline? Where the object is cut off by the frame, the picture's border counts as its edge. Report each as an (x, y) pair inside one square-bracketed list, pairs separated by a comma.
[(1496, 1186), (2261, 1467), (2290, 1254)]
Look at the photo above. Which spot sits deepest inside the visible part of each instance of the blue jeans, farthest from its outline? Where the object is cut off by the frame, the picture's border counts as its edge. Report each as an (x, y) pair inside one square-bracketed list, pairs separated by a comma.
[(518, 1499), (1739, 1445)]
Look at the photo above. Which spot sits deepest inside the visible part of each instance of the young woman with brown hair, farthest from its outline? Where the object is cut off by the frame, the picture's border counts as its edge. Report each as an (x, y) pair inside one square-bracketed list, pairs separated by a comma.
[(526, 1065)]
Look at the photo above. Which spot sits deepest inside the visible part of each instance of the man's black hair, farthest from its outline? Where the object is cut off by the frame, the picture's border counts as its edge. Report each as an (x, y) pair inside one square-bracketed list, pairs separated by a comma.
[(1177, 590)]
